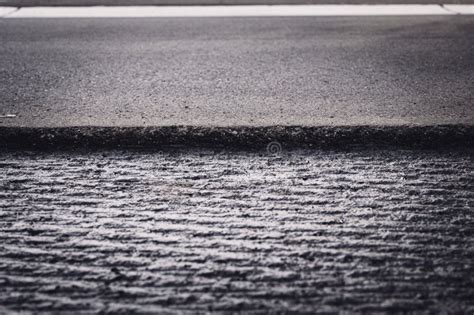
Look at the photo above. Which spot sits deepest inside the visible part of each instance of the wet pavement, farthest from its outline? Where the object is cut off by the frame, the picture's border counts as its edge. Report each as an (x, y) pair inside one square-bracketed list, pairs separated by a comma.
[(304, 231)]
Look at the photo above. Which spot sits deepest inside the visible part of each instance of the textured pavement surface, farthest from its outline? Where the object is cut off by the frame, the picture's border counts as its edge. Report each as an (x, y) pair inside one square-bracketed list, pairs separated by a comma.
[(172, 231), (237, 71)]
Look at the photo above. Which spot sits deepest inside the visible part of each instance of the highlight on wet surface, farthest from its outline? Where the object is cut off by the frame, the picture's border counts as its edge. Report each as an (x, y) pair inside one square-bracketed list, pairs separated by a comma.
[(195, 231)]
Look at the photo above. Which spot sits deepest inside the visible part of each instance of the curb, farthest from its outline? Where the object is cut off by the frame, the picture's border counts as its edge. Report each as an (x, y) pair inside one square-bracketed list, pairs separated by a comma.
[(290, 137), (83, 3), (234, 11)]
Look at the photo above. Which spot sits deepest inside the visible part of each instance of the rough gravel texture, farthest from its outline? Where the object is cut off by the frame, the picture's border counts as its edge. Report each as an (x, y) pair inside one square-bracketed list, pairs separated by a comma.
[(203, 231), (295, 137)]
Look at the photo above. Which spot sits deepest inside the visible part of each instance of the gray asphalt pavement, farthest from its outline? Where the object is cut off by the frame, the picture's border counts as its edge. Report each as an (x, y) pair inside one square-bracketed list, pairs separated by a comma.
[(309, 71), (198, 231)]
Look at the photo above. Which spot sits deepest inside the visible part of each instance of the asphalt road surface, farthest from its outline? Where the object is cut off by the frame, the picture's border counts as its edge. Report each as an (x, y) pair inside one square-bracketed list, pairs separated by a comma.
[(237, 71), (149, 232)]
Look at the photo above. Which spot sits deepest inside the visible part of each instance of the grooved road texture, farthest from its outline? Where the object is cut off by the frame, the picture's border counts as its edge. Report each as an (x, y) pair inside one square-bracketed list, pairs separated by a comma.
[(309, 231)]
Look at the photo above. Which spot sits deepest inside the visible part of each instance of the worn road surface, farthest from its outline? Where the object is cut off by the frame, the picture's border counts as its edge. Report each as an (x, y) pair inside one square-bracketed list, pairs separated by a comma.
[(305, 71), (111, 231)]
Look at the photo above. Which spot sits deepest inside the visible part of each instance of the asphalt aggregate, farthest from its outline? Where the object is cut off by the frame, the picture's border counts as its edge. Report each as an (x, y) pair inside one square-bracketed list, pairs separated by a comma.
[(197, 231), (304, 71)]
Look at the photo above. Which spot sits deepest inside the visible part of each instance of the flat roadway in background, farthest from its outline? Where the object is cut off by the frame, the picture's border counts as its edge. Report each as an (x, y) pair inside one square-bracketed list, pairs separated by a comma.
[(237, 71)]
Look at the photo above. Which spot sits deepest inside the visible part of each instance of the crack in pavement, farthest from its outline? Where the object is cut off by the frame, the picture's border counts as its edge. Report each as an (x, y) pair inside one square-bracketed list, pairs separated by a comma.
[(443, 6), (13, 10)]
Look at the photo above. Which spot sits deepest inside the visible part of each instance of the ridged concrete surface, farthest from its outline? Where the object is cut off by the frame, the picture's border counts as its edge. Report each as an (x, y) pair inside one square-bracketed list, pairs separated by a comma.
[(198, 231)]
